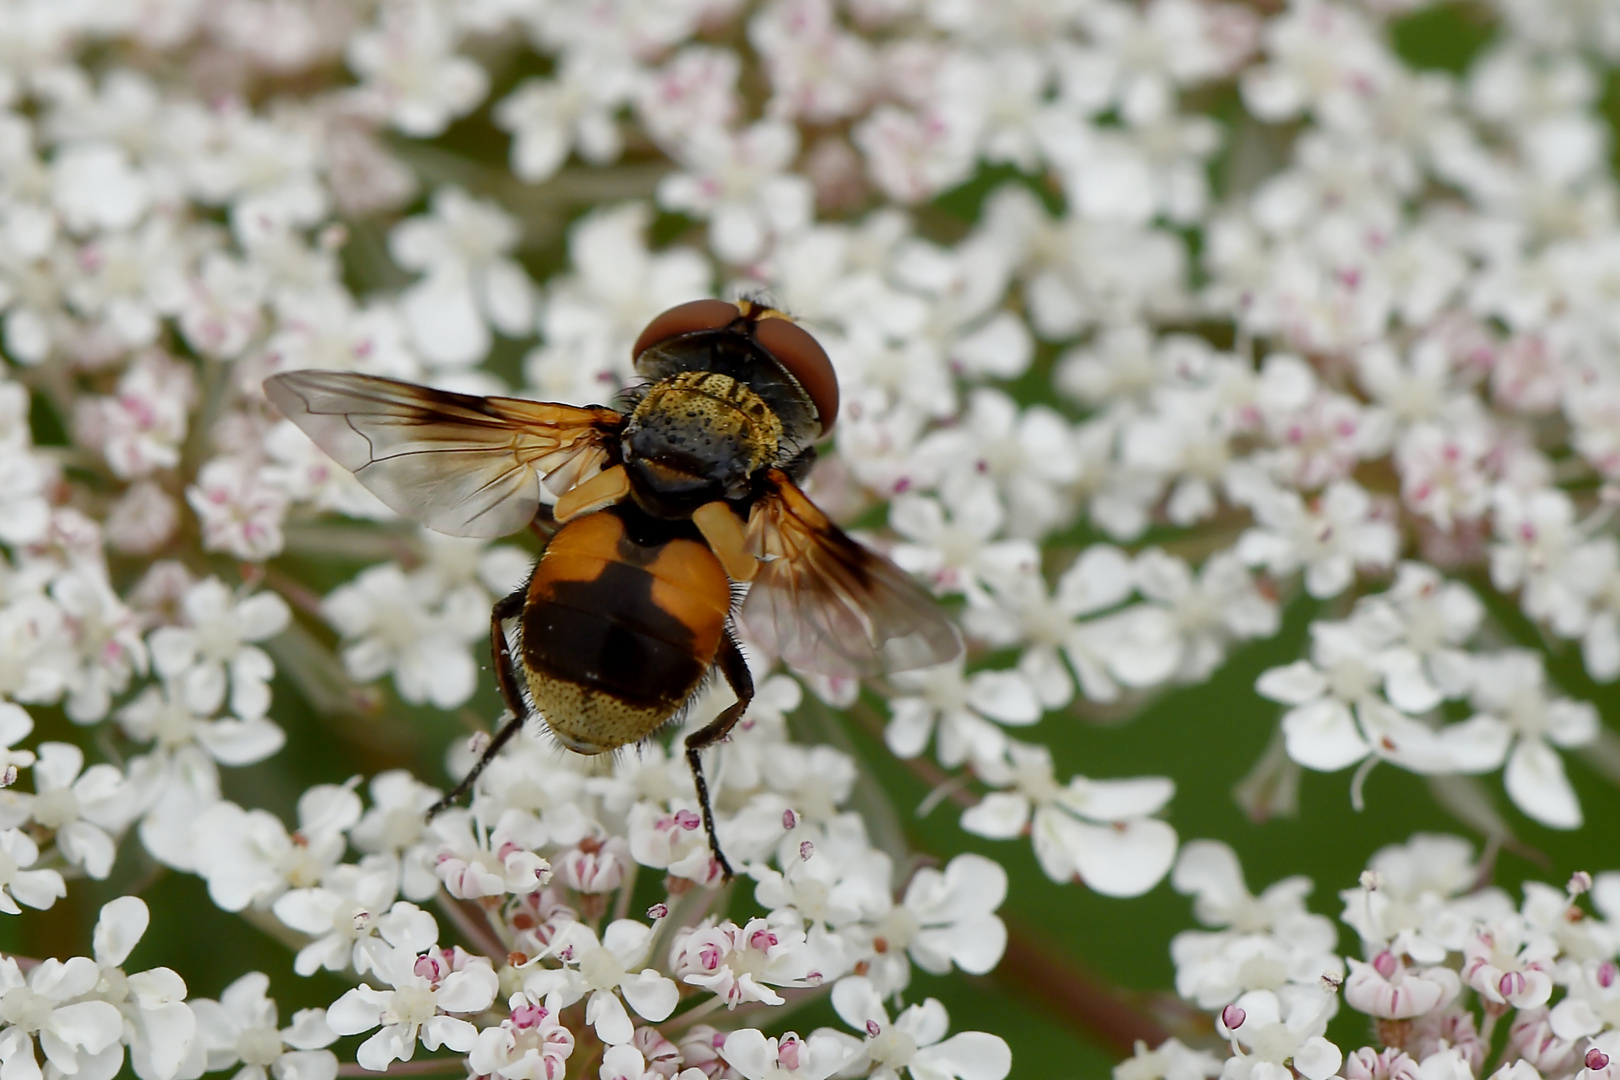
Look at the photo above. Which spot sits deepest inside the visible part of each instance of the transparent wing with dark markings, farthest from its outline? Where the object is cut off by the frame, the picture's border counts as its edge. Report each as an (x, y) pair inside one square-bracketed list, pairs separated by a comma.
[(459, 464), (826, 604)]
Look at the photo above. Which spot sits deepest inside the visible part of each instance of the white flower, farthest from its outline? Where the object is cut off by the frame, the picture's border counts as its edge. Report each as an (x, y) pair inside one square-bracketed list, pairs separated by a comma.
[(240, 1028), (949, 917), (395, 826), (239, 511), (218, 640), (391, 628), (1336, 717), (742, 963), (345, 913), (475, 861), (158, 1024), (1261, 942), (528, 1045), (598, 968), (411, 76), (1097, 830), (547, 117), (737, 181), (140, 429), (427, 988), (1386, 988), (46, 1005), (82, 810), (916, 1040), (1513, 705), (1506, 963), (1407, 898), (249, 857), (471, 281), (951, 539), (1274, 1039), (962, 707), (162, 715), (757, 1057), (1329, 539)]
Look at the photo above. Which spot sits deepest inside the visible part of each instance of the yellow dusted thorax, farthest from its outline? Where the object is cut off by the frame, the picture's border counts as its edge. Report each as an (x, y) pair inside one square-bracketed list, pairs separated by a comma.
[(719, 405)]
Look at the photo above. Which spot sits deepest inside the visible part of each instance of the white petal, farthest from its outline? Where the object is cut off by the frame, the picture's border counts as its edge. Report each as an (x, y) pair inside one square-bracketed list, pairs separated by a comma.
[(386, 1046), (1005, 696), (1322, 735), (1126, 859), (449, 1031), (88, 846), (857, 1001), (605, 1012), (652, 995), (93, 1025), (1318, 1059), (971, 1055), (120, 926), (444, 321), (748, 1052), (57, 765), (1118, 800), (1000, 815), (471, 989), (1294, 684), (306, 1065), (1536, 783), (167, 1033), (241, 742), (358, 1010)]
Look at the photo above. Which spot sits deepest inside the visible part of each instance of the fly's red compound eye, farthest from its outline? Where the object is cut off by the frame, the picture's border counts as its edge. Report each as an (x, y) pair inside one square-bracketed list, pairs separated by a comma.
[(687, 318), (803, 358)]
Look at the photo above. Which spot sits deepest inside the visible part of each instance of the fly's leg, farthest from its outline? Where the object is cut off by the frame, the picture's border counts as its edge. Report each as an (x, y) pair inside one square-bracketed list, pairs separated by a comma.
[(735, 669), (506, 679)]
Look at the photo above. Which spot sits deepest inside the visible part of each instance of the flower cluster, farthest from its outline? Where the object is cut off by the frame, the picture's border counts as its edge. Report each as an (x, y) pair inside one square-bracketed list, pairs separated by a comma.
[(1447, 965), (1152, 319)]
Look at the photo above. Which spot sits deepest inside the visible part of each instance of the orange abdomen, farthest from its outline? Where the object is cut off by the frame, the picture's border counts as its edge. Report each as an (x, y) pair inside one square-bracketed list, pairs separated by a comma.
[(619, 629)]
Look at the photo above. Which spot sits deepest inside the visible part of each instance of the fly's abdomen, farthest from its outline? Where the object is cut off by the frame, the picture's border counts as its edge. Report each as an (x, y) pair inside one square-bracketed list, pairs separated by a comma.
[(618, 632)]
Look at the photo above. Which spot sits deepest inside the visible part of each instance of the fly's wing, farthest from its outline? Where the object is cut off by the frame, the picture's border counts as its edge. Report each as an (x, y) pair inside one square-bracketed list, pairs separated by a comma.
[(459, 464), (825, 604)]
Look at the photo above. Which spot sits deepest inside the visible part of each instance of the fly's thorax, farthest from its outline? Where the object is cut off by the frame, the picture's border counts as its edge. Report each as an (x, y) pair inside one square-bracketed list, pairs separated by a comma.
[(697, 436)]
